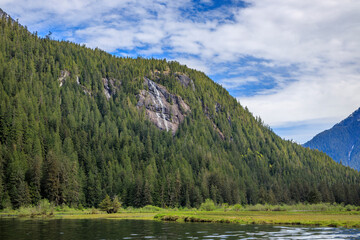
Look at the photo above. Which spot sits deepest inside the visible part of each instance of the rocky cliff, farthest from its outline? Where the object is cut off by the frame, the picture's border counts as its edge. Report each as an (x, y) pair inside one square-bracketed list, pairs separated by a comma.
[(162, 108)]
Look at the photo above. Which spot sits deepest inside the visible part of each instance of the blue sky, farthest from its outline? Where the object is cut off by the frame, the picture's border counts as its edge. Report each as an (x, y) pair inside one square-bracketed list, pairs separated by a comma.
[(296, 64)]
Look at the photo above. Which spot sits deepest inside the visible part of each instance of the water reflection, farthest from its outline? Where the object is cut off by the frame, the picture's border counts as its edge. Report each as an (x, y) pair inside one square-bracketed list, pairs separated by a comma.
[(131, 229)]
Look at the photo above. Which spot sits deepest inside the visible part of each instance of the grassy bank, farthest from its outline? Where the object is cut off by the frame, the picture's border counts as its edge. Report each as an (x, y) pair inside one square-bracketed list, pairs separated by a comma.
[(318, 218), (330, 215)]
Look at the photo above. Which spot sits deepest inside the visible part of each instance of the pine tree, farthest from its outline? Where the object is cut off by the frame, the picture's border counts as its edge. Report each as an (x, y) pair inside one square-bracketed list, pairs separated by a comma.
[(106, 204)]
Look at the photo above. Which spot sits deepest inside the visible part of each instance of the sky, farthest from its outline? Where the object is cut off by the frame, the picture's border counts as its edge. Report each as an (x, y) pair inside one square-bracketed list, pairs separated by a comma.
[(294, 63)]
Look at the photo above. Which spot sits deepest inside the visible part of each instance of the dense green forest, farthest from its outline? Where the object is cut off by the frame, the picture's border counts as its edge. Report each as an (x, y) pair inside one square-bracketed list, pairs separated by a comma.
[(73, 145)]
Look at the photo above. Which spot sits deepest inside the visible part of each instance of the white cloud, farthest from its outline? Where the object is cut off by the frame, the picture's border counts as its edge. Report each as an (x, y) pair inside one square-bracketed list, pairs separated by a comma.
[(308, 128), (317, 43), (233, 83), (332, 95), (194, 64)]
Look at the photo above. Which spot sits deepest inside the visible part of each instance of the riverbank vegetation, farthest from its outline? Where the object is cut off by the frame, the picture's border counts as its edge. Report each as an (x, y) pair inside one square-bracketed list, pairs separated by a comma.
[(312, 218), (322, 214)]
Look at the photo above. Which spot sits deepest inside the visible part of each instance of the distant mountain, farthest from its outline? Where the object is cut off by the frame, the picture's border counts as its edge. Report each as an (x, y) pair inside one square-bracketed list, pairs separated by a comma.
[(341, 142)]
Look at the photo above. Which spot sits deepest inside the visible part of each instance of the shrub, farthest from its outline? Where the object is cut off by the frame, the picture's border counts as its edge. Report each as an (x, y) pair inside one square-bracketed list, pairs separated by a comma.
[(80, 207), (24, 211), (150, 208), (94, 211), (225, 206), (237, 207), (116, 204), (44, 207), (208, 205), (110, 206), (106, 204)]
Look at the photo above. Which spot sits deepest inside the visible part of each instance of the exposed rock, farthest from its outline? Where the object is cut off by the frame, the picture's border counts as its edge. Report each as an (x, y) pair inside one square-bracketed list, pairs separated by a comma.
[(185, 80), (157, 74), (205, 108), (87, 92), (211, 117), (217, 107), (181, 77), (162, 108), (63, 75), (111, 85), (7, 16), (222, 136), (229, 120)]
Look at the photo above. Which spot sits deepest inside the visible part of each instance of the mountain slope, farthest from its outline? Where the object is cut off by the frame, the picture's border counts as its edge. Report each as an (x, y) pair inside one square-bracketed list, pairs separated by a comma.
[(341, 142), (78, 123)]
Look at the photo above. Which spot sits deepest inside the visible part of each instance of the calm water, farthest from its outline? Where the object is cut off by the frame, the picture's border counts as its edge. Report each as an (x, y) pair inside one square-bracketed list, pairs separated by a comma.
[(136, 229)]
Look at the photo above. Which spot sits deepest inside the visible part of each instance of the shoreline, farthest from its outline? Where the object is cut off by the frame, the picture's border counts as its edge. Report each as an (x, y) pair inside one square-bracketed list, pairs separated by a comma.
[(308, 218), (318, 219)]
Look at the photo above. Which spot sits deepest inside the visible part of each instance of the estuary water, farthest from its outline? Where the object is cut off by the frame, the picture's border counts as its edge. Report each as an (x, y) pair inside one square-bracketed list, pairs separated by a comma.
[(101, 229)]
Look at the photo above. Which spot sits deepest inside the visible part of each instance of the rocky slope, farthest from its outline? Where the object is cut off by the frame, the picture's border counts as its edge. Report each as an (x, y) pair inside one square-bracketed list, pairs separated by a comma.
[(163, 109), (341, 142)]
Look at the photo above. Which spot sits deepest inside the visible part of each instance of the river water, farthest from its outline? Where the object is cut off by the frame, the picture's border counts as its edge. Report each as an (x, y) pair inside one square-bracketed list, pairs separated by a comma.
[(101, 229)]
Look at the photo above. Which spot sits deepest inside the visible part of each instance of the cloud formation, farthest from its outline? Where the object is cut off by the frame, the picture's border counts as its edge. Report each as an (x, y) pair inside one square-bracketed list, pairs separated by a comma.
[(289, 61)]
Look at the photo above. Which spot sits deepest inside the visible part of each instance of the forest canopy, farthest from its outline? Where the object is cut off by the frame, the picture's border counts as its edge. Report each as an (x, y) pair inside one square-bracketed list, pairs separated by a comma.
[(63, 139)]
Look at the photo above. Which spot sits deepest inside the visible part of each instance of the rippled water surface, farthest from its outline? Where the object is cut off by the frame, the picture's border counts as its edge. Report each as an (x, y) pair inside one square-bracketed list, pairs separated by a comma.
[(136, 229)]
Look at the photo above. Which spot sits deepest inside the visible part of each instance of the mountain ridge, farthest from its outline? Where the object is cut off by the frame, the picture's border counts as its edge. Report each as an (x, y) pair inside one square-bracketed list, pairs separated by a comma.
[(341, 142), (75, 127)]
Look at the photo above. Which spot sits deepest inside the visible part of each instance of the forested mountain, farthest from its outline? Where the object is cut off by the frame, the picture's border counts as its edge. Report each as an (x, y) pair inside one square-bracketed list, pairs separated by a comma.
[(341, 142), (78, 123)]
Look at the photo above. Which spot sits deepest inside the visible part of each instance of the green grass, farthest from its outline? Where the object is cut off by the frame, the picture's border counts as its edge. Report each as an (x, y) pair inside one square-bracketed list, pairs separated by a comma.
[(329, 219), (330, 215)]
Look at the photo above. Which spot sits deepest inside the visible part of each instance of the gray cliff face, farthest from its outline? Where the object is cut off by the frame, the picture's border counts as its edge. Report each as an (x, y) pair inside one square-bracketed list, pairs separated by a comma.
[(162, 108), (185, 81), (111, 85), (64, 74)]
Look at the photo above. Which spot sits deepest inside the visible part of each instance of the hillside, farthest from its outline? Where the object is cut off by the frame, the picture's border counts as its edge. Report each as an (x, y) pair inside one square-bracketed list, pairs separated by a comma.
[(341, 142), (78, 123)]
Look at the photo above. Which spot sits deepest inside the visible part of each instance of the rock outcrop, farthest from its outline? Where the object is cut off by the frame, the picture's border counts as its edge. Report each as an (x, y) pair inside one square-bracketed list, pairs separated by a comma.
[(217, 107), (111, 85), (185, 80), (64, 74), (162, 108), (7, 16)]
